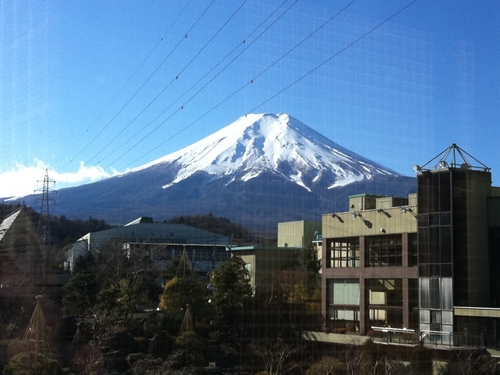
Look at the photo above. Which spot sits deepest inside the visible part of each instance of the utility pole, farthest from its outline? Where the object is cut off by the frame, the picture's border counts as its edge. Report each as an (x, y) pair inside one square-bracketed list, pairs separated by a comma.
[(44, 218)]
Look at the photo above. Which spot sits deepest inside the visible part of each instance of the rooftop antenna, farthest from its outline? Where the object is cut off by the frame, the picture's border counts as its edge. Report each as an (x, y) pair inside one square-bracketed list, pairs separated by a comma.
[(44, 218), (452, 157)]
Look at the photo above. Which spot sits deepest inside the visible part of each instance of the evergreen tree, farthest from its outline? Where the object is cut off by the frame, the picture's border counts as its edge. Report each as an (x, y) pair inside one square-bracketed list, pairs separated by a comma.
[(81, 294), (231, 288)]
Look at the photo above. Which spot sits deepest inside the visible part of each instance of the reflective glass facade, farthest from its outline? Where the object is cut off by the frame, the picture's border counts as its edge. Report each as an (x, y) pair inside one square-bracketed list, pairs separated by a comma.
[(435, 258), (452, 251)]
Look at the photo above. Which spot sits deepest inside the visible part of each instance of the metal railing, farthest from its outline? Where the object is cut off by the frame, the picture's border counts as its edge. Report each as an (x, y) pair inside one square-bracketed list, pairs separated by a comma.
[(403, 336)]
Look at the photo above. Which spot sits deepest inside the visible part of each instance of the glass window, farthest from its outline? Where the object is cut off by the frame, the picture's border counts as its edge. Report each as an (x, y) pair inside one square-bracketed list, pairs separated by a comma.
[(436, 316), (428, 186), (384, 251), (344, 253), (385, 301), (424, 293), (445, 218), (378, 314), (346, 314), (447, 293), (433, 196), (433, 219), (435, 301), (412, 249), (434, 245), (424, 270), (423, 245), (377, 298), (447, 317), (425, 316), (445, 237), (345, 292), (423, 219), (445, 191), (446, 270)]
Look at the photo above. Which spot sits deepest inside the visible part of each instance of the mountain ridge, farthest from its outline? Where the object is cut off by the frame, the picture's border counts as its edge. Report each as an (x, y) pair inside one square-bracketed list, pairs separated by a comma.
[(270, 142), (259, 170)]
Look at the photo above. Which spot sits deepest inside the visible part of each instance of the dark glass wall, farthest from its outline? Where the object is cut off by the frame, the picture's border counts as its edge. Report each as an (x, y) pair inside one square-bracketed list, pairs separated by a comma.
[(435, 224), (494, 240), (435, 255)]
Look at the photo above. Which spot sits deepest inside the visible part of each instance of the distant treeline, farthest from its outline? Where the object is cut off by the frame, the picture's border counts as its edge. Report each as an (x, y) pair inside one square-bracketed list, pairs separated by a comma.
[(220, 225), (64, 231)]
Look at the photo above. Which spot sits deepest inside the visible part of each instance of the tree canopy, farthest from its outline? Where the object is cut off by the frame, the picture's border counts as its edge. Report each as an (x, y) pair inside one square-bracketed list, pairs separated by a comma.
[(231, 287)]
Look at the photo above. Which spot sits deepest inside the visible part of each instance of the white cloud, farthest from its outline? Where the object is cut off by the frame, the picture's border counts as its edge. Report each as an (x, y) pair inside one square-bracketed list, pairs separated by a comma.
[(23, 180)]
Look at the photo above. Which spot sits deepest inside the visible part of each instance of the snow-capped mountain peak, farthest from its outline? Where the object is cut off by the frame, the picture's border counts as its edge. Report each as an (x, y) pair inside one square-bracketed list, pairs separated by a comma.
[(275, 143)]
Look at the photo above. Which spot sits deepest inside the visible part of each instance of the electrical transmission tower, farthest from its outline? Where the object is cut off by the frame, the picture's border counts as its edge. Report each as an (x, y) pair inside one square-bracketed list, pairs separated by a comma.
[(44, 218)]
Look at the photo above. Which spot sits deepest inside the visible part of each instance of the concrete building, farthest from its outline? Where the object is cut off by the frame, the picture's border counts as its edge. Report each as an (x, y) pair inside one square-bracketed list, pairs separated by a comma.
[(369, 268), (23, 258), (299, 233), (426, 262), (206, 250), (263, 261), (26, 269)]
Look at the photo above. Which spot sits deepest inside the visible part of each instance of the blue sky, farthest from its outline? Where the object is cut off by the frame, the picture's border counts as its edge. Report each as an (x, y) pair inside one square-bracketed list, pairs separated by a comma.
[(89, 89)]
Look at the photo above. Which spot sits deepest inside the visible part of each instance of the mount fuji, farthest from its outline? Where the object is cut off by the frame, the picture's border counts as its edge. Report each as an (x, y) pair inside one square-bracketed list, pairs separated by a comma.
[(257, 171)]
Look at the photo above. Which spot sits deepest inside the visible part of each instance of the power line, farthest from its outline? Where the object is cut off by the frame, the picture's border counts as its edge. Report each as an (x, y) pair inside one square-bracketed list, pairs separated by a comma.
[(246, 84), (195, 94), (121, 89), (194, 85), (144, 84), (273, 96), (335, 55), (225, 67), (291, 84), (172, 81)]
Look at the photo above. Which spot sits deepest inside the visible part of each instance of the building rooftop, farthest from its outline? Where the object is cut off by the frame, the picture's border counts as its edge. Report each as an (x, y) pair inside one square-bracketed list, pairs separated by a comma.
[(7, 222)]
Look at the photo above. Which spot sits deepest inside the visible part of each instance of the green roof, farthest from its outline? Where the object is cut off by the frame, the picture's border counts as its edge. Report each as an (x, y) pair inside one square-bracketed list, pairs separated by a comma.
[(366, 195)]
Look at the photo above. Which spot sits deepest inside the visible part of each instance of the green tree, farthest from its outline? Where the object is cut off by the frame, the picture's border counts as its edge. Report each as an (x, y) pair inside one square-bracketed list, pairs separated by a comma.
[(81, 294), (85, 263), (26, 364), (178, 267), (190, 348), (231, 288), (126, 279), (309, 264), (180, 292)]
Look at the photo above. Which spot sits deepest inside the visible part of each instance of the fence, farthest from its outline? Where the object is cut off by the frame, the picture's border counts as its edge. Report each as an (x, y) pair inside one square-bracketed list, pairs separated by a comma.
[(402, 336)]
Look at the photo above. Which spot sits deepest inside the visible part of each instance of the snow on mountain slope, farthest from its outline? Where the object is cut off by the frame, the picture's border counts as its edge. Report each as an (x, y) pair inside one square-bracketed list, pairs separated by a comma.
[(276, 143)]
